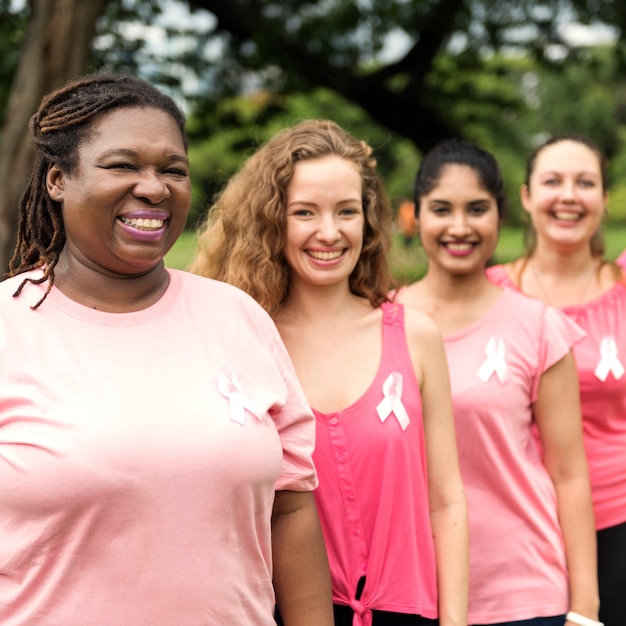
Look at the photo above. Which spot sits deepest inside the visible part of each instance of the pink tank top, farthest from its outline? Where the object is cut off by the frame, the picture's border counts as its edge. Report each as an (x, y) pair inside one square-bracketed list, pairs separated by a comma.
[(373, 489)]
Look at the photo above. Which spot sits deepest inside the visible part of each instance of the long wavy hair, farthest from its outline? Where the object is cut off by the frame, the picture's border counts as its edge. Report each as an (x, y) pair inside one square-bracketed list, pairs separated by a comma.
[(243, 238)]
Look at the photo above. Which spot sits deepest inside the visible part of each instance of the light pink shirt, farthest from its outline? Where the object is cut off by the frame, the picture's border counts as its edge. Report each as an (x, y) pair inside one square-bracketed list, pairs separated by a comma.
[(373, 493), (135, 489), (600, 358), (517, 556)]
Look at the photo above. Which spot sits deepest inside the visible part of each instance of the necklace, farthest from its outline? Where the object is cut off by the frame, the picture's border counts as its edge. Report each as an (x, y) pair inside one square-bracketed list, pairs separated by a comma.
[(544, 293)]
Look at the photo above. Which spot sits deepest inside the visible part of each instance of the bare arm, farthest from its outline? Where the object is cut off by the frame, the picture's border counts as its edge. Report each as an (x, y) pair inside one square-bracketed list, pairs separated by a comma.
[(448, 506), (557, 412), (301, 575)]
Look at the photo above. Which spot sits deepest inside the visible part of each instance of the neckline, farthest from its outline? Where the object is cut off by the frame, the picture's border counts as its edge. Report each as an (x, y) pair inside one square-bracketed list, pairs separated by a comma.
[(79, 311), (599, 301), (481, 321), (387, 326)]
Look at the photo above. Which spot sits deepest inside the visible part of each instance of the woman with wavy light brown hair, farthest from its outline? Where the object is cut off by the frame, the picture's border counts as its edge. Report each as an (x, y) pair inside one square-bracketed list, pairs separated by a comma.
[(304, 227), (246, 246)]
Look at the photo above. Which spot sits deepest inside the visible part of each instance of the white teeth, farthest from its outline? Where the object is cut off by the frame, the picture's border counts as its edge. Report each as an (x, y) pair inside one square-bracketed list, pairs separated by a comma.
[(143, 223), (325, 256), (566, 216), (459, 246)]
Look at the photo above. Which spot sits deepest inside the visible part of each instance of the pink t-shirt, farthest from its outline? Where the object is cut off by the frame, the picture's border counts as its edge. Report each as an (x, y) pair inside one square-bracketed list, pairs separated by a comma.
[(517, 557), (135, 488), (373, 493), (601, 359)]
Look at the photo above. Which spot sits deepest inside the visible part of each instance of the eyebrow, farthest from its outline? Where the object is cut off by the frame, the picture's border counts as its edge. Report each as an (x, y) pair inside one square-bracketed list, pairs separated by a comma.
[(309, 203), (174, 156), (469, 202), (560, 173)]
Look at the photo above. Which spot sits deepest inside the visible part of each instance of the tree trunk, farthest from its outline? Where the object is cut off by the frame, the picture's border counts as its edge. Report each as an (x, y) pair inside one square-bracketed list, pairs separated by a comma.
[(56, 48)]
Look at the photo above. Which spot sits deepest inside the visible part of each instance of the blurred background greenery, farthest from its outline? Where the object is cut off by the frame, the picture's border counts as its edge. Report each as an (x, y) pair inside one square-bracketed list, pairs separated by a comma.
[(409, 263), (400, 74)]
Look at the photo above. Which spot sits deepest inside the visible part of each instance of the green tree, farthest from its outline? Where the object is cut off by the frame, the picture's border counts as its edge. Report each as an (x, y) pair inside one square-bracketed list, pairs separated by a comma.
[(12, 26), (54, 47), (446, 78)]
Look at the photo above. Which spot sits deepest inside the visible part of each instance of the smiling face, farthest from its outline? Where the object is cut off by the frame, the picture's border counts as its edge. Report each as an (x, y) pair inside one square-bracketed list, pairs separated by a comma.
[(126, 202), (565, 196), (325, 221), (458, 222)]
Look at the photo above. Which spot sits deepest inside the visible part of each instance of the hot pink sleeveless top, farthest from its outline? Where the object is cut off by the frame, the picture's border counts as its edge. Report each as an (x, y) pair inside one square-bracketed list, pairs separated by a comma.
[(373, 495)]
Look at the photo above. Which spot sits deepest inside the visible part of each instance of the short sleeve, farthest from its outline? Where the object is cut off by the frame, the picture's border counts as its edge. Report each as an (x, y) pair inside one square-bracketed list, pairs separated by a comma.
[(295, 423), (559, 334), (284, 398), (498, 276)]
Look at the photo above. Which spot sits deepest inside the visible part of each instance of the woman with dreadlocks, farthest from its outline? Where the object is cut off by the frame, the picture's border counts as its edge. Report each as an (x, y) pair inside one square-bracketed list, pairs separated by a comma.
[(155, 446)]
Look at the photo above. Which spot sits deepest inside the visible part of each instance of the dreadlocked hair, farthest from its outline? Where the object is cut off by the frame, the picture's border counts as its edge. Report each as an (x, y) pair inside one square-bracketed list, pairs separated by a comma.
[(64, 121)]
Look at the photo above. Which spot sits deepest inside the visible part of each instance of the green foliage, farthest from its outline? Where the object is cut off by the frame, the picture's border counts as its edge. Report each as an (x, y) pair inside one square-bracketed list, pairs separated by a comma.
[(133, 36), (224, 135), (183, 251), (581, 97), (617, 204), (409, 264), (472, 92), (483, 70), (12, 26)]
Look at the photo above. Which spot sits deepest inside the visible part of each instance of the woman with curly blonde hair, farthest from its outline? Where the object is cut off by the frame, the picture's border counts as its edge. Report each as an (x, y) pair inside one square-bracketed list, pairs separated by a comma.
[(304, 227), (245, 247)]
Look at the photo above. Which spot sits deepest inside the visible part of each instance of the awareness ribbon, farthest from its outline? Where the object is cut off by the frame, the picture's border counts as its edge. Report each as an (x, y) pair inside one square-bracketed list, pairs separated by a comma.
[(229, 387), (495, 361), (392, 402), (609, 362)]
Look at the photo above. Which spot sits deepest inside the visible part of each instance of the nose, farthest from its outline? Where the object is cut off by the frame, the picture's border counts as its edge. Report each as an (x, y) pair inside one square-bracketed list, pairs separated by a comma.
[(459, 225), (327, 229), (151, 186), (568, 190)]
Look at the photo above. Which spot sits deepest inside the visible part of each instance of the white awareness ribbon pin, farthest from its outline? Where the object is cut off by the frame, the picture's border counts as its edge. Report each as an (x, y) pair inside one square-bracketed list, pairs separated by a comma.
[(495, 361), (609, 361), (392, 402), (229, 387)]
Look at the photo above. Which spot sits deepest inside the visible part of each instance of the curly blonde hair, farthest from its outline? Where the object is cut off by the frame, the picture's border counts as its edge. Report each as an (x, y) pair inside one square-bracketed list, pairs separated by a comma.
[(243, 238)]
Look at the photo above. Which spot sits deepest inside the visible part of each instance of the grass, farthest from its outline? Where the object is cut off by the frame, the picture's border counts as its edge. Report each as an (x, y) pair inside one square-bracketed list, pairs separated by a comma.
[(409, 264), (183, 251)]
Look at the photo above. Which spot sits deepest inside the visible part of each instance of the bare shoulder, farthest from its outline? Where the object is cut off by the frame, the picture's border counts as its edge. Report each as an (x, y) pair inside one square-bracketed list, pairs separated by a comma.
[(424, 337), (416, 297), (514, 270), (425, 344), (420, 325), (409, 295), (609, 274)]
